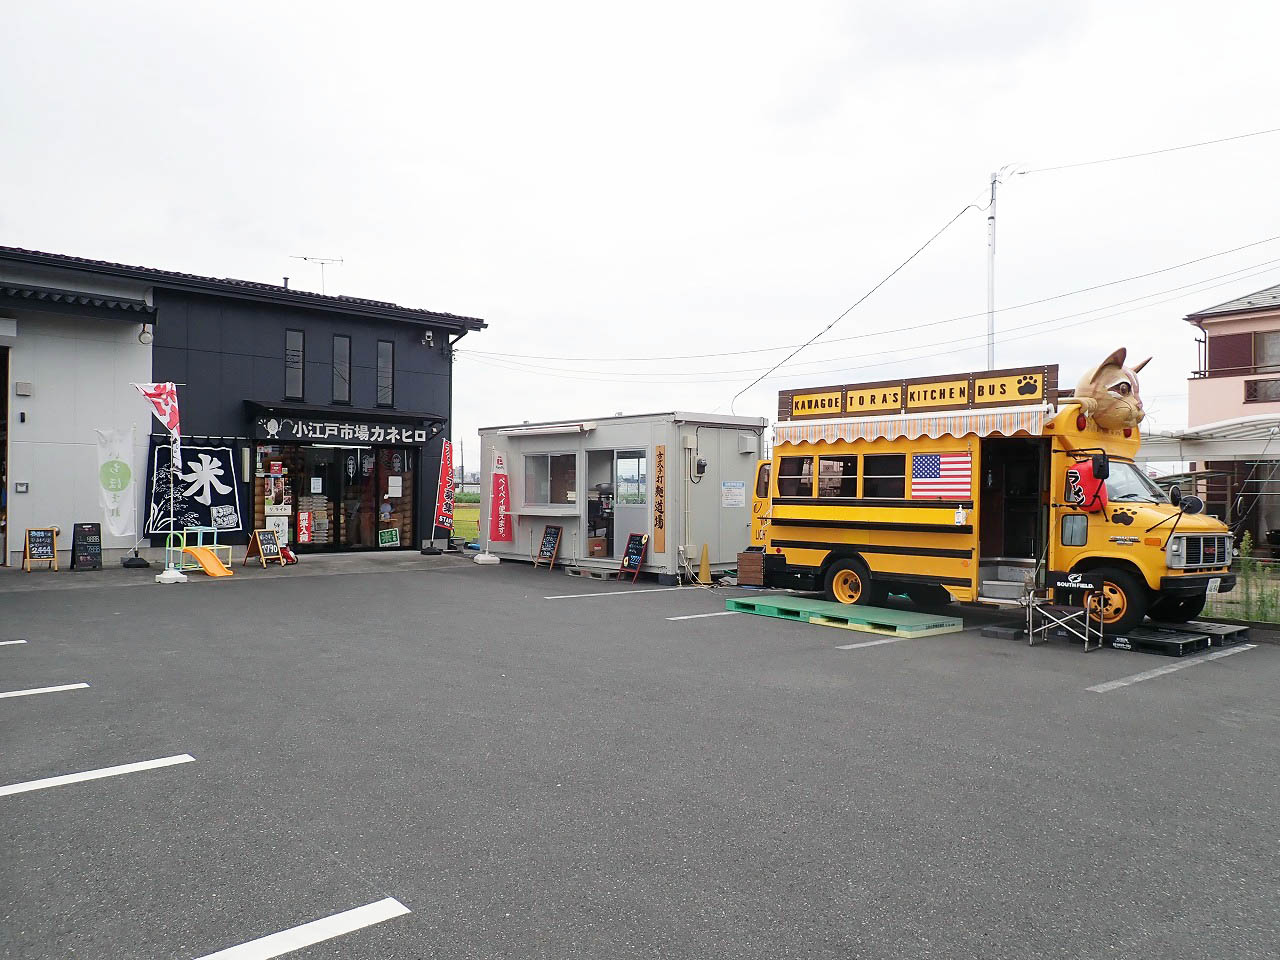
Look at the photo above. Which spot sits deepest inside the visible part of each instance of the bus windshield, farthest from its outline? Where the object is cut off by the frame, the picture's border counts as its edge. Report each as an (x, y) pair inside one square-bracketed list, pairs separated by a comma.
[(1128, 483)]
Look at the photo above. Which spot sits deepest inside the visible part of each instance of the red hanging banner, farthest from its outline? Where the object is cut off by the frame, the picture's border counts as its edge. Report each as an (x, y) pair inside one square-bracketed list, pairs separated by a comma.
[(500, 502), (444, 495)]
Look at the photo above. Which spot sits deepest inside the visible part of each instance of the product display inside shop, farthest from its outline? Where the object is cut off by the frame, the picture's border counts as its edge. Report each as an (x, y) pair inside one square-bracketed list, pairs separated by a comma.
[(336, 498)]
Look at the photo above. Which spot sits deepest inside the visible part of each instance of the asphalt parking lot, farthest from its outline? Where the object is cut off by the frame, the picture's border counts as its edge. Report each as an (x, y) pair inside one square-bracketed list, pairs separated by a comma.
[(503, 762)]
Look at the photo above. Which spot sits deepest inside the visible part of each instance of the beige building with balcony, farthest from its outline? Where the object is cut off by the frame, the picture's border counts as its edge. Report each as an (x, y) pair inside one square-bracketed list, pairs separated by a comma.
[(1239, 373)]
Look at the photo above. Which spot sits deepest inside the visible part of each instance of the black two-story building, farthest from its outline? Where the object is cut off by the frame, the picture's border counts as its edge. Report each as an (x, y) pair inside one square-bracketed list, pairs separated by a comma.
[(319, 416)]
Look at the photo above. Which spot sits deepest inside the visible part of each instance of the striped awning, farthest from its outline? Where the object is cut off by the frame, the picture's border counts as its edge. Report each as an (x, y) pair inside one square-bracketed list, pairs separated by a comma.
[(1002, 421)]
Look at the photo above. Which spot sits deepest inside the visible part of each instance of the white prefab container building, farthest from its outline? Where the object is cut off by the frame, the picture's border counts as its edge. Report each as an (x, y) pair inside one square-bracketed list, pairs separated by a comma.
[(683, 479)]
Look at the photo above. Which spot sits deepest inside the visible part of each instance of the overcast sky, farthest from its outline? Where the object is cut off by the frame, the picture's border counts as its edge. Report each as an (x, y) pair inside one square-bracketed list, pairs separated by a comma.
[(617, 181)]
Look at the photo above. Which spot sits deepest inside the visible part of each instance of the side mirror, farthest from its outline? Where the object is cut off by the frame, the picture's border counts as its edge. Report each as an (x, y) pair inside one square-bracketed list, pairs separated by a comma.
[(1175, 495), (1101, 466), (1192, 504)]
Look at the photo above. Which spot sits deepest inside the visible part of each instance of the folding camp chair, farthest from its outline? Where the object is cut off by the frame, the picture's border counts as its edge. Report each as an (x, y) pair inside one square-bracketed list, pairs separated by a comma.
[(1044, 616)]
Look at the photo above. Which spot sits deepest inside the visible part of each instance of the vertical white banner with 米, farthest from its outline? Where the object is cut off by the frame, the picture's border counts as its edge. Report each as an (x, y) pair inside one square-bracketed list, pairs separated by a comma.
[(115, 481)]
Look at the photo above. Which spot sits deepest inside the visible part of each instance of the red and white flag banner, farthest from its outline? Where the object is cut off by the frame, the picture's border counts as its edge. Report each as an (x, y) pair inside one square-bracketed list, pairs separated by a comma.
[(164, 404), (444, 496), (500, 502)]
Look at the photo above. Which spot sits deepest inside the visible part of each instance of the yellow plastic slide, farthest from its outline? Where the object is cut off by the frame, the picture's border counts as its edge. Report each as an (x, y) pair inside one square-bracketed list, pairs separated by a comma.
[(208, 561)]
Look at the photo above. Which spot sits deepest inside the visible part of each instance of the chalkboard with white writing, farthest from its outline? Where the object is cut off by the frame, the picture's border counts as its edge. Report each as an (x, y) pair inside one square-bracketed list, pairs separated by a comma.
[(550, 545), (633, 555), (86, 546), (41, 544)]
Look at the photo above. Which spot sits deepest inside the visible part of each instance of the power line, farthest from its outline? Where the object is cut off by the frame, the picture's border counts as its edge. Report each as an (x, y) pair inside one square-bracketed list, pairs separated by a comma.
[(1149, 153), (510, 366), (876, 333), (703, 374)]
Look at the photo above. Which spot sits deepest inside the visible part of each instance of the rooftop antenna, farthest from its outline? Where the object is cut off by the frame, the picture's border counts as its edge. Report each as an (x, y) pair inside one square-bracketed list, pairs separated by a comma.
[(323, 261)]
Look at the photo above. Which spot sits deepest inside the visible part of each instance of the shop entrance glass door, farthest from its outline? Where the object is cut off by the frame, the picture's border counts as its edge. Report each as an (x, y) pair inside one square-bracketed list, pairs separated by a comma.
[(359, 498), (631, 498)]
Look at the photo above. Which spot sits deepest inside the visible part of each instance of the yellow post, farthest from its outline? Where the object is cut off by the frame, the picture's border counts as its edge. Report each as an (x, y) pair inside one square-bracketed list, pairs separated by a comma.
[(704, 567)]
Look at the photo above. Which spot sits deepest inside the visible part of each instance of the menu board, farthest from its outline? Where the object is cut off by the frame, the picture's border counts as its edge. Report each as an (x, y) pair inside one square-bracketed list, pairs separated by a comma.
[(264, 545), (86, 546), (550, 545), (633, 555), (41, 544)]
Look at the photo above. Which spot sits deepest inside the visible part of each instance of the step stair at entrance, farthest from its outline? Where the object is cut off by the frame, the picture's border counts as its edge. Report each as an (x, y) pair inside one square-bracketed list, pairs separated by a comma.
[(1002, 590)]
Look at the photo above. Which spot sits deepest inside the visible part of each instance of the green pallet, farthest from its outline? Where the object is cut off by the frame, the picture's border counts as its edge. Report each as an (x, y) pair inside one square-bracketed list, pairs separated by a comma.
[(890, 622)]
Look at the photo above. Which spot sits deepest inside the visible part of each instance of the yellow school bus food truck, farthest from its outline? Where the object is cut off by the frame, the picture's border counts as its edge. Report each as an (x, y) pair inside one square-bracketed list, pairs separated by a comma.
[(973, 486)]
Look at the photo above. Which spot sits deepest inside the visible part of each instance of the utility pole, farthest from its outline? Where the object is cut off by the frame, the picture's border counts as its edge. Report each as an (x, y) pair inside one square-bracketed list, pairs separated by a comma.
[(323, 261), (991, 276)]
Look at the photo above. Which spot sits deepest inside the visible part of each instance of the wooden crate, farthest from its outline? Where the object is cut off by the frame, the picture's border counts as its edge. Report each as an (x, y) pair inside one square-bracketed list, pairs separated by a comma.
[(751, 569)]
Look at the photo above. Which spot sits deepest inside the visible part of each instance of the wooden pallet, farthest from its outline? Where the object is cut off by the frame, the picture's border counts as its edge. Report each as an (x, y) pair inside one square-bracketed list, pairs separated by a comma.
[(881, 620), (589, 573), (1220, 634)]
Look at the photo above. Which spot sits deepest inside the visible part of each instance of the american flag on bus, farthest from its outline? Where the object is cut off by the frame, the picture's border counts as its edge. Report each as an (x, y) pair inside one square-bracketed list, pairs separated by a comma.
[(944, 475)]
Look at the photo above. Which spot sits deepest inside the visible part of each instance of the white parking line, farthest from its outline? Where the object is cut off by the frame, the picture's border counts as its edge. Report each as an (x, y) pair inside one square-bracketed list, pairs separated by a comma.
[(871, 643), (1170, 668), (699, 616), (317, 931), (93, 774), (34, 690), (613, 593), (5, 643)]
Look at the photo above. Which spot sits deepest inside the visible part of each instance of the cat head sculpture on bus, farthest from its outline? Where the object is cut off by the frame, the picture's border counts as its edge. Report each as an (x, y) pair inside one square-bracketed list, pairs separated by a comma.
[(1108, 394)]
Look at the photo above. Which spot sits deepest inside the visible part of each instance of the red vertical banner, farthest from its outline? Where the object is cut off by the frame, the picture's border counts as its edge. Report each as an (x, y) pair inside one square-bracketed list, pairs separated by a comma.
[(500, 502), (444, 496)]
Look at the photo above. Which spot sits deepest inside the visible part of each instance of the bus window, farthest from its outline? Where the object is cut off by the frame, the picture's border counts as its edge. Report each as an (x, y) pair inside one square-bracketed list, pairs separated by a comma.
[(838, 476), (762, 479), (884, 476), (795, 476)]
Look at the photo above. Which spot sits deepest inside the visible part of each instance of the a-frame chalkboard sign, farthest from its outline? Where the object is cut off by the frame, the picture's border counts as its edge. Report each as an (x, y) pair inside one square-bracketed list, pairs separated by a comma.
[(550, 546), (633, 556), (41, 545), (264, 545)]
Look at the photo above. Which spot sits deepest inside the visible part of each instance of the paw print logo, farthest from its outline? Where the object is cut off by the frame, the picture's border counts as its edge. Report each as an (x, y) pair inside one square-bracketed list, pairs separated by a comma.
[(1027, 386), (1122, 516)]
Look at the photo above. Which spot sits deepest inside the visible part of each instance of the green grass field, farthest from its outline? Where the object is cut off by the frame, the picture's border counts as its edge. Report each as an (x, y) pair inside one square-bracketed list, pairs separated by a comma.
[(466, 520)]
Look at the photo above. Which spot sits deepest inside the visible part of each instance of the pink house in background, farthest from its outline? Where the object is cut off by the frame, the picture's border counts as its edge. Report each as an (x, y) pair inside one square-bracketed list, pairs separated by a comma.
[(1239, 373)]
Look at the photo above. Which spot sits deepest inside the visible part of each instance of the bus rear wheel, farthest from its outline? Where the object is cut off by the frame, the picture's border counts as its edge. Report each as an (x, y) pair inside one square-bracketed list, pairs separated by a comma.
[(1122, 601), (849, 582)]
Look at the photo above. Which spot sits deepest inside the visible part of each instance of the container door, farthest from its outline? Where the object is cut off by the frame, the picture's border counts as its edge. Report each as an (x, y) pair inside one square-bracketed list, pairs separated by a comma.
[(631, 497)]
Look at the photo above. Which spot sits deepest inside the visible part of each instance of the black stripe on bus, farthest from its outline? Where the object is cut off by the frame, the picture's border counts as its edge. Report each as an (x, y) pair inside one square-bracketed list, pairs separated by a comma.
[(875, 548), (865, 502), (871, 525), (799, 569)]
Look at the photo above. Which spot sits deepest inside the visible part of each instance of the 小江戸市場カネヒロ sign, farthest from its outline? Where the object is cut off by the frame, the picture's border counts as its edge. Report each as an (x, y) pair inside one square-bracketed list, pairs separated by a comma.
[(963, 391)]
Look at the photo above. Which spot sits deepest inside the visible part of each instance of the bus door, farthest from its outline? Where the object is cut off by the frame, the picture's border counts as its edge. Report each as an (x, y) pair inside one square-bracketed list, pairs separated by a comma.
[(1013, 503), (761, 505)]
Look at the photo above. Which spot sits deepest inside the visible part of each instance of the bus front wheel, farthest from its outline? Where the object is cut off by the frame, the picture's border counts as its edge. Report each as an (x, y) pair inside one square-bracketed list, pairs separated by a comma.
[(1121, 602)]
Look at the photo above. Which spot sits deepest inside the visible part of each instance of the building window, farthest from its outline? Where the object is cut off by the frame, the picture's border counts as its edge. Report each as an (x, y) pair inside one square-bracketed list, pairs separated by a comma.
[(551, 479), (884, 476), (386, 373), (294, 358), (795, 476), (838, 476), (632, 481), (341, 369), (1266, 351), (1261, 391)]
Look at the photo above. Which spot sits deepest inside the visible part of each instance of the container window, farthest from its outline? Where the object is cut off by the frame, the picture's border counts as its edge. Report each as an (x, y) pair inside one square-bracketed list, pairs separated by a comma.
[(762, 479), (838, 476), (1075, 530), (884, 476), (795, 476), (551, 479), (294, 356), (632, 478)]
